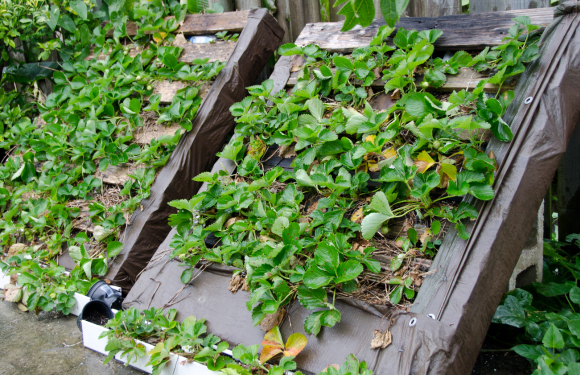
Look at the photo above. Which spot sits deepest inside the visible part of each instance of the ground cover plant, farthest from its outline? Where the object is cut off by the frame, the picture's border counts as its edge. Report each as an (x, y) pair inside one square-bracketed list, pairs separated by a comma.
[(314, 231), (190, 340), (57, 147), (549, 335), (130, 328)]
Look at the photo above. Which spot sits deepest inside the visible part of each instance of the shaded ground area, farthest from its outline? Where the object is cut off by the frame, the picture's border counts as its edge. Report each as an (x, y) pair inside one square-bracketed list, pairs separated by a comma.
[(495, 356), (36, 346)]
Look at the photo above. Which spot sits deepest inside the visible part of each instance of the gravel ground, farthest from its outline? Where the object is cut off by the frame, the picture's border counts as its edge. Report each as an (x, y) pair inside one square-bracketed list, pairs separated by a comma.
[(49, 344)]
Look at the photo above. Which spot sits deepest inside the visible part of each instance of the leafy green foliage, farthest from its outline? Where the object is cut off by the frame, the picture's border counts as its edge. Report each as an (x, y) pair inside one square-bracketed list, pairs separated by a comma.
[(130, 328), (362, 12), (189, 339), (292, 233), (546, 313), (58, 147), (351, 366)]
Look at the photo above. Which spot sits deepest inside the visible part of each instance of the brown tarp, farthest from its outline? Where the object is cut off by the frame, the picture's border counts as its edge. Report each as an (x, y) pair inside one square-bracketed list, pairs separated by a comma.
[(196, 151), (470, 276)]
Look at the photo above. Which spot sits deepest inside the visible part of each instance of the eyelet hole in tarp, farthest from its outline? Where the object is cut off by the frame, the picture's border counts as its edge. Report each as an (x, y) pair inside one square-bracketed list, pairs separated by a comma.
[(413, 322), (528, 100)]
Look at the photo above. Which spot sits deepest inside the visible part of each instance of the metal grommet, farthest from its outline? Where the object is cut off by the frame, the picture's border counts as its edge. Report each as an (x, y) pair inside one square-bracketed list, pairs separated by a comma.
[(528, 100), (432, 316), (413, 322)]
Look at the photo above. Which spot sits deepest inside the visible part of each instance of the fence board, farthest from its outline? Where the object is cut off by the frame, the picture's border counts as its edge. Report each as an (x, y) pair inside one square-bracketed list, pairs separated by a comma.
[(466, 79), (199, 24), (293, 15), (212, 51), (434, 8), (480, 6), (459, 31), (227, 4)]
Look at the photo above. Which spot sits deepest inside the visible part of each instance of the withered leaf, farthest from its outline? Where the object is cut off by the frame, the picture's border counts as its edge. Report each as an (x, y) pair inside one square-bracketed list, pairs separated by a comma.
[(381, 339)]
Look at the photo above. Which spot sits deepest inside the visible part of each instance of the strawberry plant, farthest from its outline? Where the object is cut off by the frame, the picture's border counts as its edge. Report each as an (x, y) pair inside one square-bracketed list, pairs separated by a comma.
[(56, 148), (311, 231), (190, 340), (546, 314)]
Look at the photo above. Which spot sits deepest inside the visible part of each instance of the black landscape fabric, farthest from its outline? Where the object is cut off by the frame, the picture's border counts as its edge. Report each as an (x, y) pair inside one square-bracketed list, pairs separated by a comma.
[(457, 301)]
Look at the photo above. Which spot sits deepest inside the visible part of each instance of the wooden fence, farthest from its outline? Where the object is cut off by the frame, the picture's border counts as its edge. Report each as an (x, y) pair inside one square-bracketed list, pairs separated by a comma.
[(293, 15)]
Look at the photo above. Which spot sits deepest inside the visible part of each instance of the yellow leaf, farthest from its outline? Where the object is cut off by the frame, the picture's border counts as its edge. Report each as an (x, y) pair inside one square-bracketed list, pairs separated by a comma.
[(157, 349), (357, 215), (273, 338), (257, 148), (450, 170), (296, 342), (371, 138), (273, 344), (424, 161), (159, 37), (389, 153), (373, 166)]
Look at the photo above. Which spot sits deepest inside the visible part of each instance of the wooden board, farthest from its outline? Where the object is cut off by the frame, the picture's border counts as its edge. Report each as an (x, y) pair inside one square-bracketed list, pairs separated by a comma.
[(459, 32), (200, 24), (155, 132), (212, 51), (480, 6), (466, 79), (116, 175), (169, 89)]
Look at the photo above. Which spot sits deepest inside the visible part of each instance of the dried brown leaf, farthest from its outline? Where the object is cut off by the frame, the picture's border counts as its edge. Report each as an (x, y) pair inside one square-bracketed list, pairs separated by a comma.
[(179, 39), (12, 293), (16, 248), (272, 320), (381, 339), (287, 151), (236, 283), (232, 220)]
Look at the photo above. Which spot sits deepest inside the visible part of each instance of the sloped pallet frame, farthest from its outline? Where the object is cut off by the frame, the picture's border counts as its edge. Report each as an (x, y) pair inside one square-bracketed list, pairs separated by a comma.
[(448, 322), (260, 37)]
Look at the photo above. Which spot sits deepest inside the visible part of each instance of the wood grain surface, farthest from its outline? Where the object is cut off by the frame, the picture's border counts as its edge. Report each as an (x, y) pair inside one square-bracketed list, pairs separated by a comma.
[(201, 24), (464, 31), (212, 51)]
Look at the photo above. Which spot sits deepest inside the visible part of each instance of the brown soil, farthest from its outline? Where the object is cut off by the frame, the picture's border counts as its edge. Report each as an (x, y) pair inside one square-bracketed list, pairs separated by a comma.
[(496, 356), (96, 318)]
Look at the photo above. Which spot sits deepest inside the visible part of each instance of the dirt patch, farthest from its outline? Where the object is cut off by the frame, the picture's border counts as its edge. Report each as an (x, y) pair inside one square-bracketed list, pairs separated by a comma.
[(97, 318), (496, 356)]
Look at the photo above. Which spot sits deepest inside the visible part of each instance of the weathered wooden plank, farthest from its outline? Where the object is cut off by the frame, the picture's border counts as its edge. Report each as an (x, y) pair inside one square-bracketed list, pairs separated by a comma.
[(466, 78), (227, 4), (116, 175), (169, 89), (248, 4), (200, 24), (471, 31), (481, 6), (213, 51), (145, 136), (293, 15), (334, 16)]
